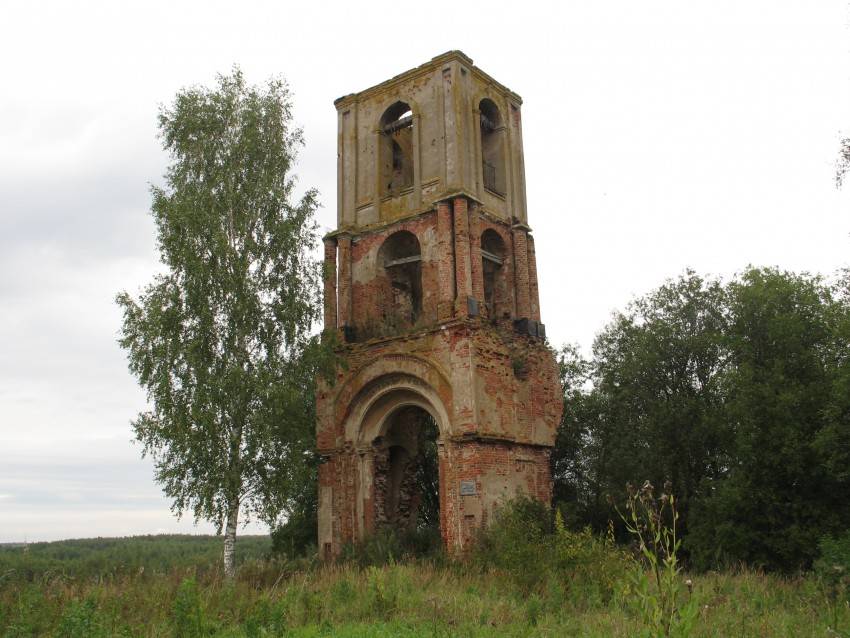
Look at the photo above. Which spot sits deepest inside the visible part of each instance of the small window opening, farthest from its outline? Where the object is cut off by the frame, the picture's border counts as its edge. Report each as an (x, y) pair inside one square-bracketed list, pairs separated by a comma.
[(495, 289), (492, 142), (402, 261), (397, 148)]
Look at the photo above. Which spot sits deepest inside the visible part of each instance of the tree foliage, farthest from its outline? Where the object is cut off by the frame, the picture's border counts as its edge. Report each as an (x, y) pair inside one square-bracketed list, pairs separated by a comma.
[(737, 393), (654, 408), (779, 497), (577, 460), (221, 340), (842, 164)]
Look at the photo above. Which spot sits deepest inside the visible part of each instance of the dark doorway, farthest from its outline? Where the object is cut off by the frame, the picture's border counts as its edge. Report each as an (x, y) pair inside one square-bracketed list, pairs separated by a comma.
[(407, 481), (428, 478)]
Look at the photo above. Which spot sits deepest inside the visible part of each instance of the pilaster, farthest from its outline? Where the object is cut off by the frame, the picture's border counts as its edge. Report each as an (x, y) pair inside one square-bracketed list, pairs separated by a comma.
[(532, 280), (329, 277), (523, 295), (477, 268), (446, 266), (344, 283), (463, 274)]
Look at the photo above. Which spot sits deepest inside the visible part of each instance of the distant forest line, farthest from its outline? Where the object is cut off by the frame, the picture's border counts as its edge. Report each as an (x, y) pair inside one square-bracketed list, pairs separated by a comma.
[(92, 557)]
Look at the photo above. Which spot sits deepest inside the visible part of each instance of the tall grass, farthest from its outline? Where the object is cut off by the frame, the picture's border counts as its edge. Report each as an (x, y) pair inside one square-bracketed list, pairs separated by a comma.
[(554, 582)]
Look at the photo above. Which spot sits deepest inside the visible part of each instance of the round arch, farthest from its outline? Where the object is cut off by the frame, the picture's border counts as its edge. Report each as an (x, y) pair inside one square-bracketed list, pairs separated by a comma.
[(492, 138), (396, 161), (372, 409), (383, 375), (399, 476), (393, 107)]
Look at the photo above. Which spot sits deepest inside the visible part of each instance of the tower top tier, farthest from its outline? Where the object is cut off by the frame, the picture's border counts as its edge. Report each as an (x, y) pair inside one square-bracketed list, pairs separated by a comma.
[(443, 129)]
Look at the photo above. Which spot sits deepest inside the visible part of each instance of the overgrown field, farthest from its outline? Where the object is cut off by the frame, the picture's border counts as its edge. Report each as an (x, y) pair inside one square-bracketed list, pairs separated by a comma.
[(515, 584), (392, 600)]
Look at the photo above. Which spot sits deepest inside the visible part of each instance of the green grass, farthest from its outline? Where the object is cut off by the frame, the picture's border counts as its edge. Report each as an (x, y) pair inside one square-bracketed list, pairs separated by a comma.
[(472, 598)]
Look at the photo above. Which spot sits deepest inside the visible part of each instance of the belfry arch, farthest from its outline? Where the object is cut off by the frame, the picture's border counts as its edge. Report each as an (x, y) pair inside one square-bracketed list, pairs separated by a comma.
[(433, 245), (492, 146), (396, 148)]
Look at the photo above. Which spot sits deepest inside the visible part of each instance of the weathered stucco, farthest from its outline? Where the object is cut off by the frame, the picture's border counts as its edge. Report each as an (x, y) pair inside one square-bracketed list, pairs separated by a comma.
[(431, 284)]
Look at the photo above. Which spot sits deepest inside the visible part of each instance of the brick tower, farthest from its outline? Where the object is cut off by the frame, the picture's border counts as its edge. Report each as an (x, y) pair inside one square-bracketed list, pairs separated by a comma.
[(431, 283)]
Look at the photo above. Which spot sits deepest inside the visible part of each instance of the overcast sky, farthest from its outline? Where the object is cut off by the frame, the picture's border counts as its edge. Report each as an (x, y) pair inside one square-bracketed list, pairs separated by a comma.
[(659, 135)]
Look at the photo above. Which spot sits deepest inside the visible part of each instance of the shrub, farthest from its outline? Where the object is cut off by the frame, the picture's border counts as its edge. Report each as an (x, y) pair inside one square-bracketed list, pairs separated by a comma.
[(597, 563), (542, 557), (515, 537), (832, 569), (297, 536), (186, 612), (387, 547), (381, 548), (80, 619)]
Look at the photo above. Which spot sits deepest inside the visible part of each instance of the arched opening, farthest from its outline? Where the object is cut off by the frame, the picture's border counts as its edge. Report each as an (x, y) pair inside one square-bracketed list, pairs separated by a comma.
[(492, 151), (496, 293), (396, 149), (394, 407), (406, 480), (401, 258)]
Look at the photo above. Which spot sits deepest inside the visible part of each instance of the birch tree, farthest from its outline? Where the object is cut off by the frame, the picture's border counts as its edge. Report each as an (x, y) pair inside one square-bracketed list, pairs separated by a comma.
[(221, 338)]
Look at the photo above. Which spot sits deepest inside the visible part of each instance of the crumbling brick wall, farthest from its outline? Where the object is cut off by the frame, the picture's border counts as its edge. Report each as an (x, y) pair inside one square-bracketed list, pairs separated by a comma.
[(431, 289)]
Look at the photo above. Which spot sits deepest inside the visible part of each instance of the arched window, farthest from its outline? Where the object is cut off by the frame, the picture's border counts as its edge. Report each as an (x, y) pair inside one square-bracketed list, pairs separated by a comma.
[(495, 289), (396, 149), (401, 259), (492, 143)]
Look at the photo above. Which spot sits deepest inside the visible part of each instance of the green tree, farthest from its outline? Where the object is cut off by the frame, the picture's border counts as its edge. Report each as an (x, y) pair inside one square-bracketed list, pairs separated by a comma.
[(833, 441), (737, 393), (428, 475), (576, 486), (296, 533), (787, 405), (221, 340), (655, 407)]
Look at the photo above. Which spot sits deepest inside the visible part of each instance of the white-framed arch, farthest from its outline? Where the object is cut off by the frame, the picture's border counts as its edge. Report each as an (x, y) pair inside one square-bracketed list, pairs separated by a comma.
[(386, 387), (383, 373), (378, 402)]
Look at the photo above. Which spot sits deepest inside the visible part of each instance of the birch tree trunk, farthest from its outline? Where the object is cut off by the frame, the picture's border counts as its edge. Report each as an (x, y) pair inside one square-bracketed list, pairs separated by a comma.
[(230, 540)]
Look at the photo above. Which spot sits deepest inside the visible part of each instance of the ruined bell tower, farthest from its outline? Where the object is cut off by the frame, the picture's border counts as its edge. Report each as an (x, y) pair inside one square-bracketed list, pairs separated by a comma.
[(449, 397)]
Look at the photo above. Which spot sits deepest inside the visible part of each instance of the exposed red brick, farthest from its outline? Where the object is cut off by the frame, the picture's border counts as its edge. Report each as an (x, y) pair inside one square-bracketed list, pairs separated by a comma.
[(399, 275)]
